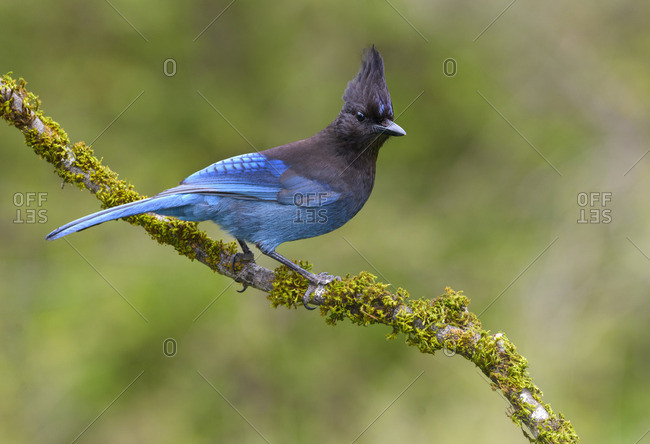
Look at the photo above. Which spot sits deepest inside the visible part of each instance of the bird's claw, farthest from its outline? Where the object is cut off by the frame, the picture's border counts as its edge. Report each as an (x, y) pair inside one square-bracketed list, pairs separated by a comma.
[(317, 284), (241, 257), (243, 288)]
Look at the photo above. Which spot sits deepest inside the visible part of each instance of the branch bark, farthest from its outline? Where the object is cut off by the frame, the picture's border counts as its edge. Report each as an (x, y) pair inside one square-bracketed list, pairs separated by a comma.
[(443, 323)]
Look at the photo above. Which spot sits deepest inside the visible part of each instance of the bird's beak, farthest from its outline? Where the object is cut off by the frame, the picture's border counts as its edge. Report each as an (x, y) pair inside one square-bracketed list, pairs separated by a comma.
[(390, 128)]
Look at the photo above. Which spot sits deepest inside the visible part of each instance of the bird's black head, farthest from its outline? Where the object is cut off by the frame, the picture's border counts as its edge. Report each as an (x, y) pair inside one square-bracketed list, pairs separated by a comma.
[(367, 114)]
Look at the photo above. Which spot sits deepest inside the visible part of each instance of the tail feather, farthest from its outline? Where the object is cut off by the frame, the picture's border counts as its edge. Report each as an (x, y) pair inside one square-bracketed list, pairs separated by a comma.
[(152, 204)]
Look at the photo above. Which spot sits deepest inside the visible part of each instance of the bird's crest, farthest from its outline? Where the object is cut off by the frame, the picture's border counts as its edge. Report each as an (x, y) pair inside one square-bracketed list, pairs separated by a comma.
[(368, 89)]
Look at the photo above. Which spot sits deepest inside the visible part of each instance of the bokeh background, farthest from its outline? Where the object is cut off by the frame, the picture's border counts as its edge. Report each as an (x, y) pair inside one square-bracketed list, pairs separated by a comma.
[(512, 110)]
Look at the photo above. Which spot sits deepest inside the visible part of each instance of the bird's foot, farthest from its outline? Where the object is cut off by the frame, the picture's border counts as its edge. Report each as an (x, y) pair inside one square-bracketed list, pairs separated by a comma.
[(317, 283), (241, 257), (245, 257)]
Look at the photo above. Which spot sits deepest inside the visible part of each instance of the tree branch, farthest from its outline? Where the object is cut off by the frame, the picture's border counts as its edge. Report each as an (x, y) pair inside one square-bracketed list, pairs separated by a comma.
[(430, 325)]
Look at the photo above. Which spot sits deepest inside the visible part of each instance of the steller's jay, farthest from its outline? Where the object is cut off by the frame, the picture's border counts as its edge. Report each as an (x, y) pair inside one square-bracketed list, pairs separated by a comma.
[(294, 191)]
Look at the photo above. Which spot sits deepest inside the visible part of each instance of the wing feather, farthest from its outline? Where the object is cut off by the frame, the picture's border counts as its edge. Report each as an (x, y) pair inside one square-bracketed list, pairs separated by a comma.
[(254, 176)]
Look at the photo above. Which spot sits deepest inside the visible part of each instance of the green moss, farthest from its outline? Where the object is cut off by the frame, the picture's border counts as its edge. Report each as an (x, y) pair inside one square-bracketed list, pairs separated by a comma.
[(29, 101), (359, 299), (87, 172), (364, 301), (288, 286)]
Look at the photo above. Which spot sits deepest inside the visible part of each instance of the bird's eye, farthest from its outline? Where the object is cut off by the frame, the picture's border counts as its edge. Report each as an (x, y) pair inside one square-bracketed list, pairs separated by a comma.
[(361, 116)]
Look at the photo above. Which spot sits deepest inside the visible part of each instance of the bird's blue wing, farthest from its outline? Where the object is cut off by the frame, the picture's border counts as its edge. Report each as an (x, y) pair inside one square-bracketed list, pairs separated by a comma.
[(249, 176), (254, 176)]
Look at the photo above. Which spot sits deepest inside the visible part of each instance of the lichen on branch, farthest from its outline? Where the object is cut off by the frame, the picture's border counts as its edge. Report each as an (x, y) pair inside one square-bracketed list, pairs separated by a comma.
[(443, 323)]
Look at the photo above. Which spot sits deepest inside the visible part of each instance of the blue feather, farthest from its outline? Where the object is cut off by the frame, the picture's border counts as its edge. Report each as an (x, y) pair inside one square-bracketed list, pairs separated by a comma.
[(294, 191)]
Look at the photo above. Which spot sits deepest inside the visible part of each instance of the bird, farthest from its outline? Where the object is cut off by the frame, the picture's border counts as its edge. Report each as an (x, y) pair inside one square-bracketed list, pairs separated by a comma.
[(299, 190)]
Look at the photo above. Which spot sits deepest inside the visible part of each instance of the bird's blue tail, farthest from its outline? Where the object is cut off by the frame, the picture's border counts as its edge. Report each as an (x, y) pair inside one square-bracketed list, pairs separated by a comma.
[(170, 202)]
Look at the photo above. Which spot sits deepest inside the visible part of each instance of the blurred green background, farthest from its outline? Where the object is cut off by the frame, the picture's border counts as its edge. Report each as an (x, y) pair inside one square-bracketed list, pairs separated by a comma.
[(463, 201)]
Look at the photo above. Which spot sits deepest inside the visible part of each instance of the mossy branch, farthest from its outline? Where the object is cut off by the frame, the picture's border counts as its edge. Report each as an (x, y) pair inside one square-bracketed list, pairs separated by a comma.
[(443, 323)]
